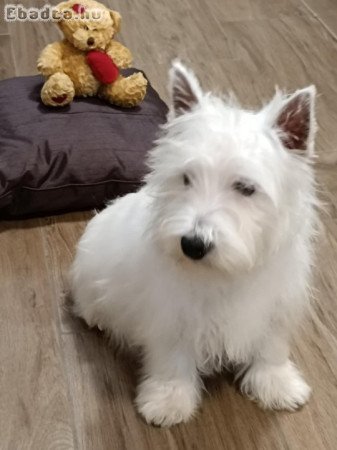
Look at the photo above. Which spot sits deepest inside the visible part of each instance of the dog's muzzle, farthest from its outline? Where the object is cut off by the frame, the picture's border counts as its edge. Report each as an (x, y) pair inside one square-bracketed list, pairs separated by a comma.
[(194, 247)]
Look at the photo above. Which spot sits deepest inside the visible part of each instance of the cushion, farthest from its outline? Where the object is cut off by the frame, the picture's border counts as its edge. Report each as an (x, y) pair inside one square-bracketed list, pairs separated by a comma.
[(54, 160)]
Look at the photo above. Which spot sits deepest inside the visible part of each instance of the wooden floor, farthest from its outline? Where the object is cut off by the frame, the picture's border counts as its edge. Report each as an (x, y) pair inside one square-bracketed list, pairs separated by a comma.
[(61, 386)]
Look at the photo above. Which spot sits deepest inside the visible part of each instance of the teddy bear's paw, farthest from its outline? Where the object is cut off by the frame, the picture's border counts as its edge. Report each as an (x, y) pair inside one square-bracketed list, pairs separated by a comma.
[(135, 89), (127, 92), (58, 90), (121, 55)]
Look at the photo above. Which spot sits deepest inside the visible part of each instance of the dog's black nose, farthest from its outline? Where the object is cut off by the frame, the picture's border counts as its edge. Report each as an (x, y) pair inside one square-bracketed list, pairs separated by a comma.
[(194, 247), (90, 41)]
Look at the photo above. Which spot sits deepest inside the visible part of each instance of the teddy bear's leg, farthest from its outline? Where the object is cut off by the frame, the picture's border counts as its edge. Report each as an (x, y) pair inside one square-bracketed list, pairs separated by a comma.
[(58, 90), (125, 92)]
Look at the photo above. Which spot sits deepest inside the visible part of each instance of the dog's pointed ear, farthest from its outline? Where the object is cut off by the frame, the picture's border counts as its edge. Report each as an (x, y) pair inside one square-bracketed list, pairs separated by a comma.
[(295, 121), (117, 19), (185, 89)]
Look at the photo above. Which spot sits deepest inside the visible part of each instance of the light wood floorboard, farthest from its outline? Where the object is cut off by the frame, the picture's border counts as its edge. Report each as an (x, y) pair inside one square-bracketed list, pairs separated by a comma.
[(35, 406)]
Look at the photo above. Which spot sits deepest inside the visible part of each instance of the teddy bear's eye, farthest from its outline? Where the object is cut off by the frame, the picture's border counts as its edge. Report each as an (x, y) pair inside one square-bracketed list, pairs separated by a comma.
[(243, 188), (85, 27)]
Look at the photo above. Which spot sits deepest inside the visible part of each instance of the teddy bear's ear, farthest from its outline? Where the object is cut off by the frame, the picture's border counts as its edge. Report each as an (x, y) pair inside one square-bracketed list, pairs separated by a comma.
[(62, 11), (116, 17)]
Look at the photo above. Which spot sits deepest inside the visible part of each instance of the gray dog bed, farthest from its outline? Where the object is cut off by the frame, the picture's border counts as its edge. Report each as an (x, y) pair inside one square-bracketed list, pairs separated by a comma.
[(55, 160)]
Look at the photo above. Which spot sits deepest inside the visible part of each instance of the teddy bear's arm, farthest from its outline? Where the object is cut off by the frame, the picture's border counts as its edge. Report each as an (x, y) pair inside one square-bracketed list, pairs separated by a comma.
[(50, 60), (121, 55)]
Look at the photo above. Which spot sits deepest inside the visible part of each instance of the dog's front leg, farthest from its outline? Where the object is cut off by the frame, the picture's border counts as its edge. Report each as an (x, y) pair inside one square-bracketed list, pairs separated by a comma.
[(170, 390), (272, 379)]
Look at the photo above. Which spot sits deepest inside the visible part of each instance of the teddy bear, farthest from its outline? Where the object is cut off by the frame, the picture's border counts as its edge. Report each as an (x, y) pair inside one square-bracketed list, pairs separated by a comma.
[(88, 61)]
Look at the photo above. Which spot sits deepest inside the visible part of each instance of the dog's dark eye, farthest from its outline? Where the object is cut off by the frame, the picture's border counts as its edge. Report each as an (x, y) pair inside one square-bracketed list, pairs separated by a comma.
[(85, 27), (187, 181), (245, 189)]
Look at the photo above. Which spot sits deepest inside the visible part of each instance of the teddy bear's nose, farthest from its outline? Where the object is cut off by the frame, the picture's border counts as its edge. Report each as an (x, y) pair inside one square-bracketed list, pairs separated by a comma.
[(90, 41)]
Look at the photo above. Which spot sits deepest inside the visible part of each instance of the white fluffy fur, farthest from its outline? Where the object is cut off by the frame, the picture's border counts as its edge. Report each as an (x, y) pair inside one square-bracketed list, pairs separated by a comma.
[(240, 302)]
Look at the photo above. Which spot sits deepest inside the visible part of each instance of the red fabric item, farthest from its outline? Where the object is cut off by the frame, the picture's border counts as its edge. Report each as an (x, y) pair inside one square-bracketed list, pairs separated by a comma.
[(60, 99), (78, 9), (102, 66)]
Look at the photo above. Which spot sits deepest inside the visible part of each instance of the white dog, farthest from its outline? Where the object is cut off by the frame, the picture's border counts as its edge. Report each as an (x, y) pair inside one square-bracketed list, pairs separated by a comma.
[(209, 263)]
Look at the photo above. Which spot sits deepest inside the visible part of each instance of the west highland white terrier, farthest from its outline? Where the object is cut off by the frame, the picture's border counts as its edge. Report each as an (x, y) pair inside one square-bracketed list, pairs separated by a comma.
[(208, 264)]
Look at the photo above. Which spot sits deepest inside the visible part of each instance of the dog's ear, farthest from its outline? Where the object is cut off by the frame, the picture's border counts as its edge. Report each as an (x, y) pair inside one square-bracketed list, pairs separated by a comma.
[(295, 121), (185, 89)]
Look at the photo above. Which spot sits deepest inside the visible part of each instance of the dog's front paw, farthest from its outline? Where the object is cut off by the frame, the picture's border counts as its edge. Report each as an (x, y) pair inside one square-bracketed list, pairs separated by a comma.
[(276, 386), (166, 403)]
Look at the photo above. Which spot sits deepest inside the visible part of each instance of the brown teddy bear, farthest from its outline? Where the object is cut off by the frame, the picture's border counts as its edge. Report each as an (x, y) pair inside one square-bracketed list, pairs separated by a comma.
[(88, 60)]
